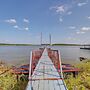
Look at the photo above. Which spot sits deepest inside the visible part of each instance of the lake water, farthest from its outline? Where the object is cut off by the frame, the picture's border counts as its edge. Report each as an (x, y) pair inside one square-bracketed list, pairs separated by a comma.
[(21, 54)]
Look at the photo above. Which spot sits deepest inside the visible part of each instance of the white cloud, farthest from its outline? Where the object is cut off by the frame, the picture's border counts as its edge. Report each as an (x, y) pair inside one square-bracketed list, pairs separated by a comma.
[(69, 13), (72, 27), (25, 20), (16, 26), (82, 4), (26, 28), (85, 29), (11, 21), (88, 17), (60, 9), (80, 32), (60, 19)]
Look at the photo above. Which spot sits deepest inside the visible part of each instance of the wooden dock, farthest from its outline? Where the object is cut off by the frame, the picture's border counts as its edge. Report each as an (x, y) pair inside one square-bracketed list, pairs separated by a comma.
[(45, 76)]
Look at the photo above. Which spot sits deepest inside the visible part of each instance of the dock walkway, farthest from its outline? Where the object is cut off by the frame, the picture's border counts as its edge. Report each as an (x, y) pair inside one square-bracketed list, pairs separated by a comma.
[(46, 76)]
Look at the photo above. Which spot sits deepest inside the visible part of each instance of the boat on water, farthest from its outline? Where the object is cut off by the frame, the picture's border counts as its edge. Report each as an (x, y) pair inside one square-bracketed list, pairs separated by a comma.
[(86, 48)]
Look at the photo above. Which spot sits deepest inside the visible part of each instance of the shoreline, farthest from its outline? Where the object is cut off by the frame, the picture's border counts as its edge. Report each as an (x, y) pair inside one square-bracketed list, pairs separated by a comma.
[(40, 44)]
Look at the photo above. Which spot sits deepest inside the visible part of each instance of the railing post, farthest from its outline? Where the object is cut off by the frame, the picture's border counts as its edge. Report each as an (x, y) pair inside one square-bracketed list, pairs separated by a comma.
[(30, 66), (61, 69), (60, 64), (30, 70)]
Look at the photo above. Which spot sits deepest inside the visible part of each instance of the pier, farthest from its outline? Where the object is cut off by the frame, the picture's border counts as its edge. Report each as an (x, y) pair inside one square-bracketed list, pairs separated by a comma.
[(45, 75), (46, 70)]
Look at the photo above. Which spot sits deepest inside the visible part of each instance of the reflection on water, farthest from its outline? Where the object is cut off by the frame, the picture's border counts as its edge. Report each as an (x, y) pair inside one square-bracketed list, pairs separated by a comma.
[(21, 54)]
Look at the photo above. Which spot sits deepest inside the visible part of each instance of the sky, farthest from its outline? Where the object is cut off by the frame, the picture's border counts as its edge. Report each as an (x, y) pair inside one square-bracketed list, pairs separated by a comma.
[(23, 21)]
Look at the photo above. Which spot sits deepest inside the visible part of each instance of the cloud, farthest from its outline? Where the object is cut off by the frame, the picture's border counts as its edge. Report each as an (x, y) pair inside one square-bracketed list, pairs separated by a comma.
[(60, 19), (82, 4), (69, 13), (16, 26), (85, 29), (72, 27), (26, 28), (11, 21), (66, 8), (60, 9), (80, 32), (25, 20), (88, 17)]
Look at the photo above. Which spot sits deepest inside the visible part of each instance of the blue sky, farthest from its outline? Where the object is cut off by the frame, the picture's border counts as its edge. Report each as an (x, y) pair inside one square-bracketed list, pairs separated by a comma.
[(22, 21)]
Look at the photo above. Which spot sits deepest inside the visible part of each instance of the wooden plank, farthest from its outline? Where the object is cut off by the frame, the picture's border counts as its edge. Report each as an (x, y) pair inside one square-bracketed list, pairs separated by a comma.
[(28, 86), (41, 85), (56, 85), (46, 86), (35, 85), (61, 84), (51, 85)]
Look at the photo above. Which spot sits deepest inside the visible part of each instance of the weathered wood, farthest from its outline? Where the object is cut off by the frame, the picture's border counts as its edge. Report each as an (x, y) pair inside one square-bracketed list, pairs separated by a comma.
[(46, 76)]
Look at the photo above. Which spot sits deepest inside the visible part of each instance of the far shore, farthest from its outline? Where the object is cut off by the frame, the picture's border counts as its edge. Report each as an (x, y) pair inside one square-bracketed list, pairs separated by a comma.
[(3, 44)]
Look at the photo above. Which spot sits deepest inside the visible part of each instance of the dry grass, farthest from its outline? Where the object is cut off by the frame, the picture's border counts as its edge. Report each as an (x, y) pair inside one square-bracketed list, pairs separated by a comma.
[(82, 81), (8, 80)]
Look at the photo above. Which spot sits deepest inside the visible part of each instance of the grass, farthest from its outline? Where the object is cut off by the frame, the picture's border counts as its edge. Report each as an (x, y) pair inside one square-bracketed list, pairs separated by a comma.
[(8, 80), (82, 81)]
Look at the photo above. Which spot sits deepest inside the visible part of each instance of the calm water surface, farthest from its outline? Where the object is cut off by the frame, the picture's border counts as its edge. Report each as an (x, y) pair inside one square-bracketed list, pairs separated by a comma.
[(21, 54)]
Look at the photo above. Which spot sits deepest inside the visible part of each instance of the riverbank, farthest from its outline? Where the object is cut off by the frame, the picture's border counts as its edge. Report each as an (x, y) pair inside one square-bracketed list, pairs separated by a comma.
[(8, 81), (82, 81)]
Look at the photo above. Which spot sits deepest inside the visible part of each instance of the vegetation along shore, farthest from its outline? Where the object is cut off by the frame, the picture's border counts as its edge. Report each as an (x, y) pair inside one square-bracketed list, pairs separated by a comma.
[(8, 81), (82, 81), (6, 44)]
